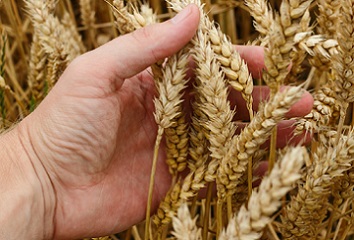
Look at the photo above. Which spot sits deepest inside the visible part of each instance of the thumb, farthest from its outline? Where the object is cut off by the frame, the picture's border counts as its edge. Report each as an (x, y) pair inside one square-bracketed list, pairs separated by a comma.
[(128, 55)]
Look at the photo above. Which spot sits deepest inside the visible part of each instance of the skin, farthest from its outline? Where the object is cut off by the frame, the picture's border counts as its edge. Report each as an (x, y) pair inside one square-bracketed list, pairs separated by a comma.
[(79, 165)]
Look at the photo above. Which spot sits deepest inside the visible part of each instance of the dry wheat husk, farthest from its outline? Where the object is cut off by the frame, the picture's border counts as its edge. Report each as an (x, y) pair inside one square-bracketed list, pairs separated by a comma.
[(278, 33), (251, 220), (123, 22), (127, 21), (262, 15), (73, 37)]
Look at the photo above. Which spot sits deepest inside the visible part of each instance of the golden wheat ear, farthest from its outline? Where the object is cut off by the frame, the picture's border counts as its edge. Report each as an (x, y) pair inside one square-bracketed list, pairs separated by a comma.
[(184, 227), (88, 19), (170, 119), (330, 161), (254, 216)]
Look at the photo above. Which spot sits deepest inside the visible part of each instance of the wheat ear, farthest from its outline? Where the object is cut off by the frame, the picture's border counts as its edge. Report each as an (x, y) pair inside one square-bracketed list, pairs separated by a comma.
[(241, 147), (213, 92), (128, 22), (318, 47), (168, 207), (344, 62), (48, 27), (184, 227), (231, 63), (329, 163), (171, 88), (168, 111), (88, 21), (36, 74), (324, 113), (328, 17), (262, 15), (251, 220), (73, 37)]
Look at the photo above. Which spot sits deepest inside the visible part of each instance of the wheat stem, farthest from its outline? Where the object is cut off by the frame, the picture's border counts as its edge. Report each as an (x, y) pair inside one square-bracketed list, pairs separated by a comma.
[(205, 230), (152, 181)]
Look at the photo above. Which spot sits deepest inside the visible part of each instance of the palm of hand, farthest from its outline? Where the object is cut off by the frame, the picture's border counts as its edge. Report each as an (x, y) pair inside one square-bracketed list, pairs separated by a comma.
[(105, 153)]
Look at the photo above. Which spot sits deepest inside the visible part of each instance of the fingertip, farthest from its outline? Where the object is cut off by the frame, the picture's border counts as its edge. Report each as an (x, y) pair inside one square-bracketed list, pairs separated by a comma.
[(254, 57), (191, 14), (302, 107)]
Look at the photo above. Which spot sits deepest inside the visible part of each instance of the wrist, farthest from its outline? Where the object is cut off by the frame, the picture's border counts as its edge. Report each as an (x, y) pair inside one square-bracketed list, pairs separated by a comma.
[(28, 200)]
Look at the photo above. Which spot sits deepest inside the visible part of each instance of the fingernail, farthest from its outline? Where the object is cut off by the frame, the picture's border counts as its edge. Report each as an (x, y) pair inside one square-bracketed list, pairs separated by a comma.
[(181, 15)]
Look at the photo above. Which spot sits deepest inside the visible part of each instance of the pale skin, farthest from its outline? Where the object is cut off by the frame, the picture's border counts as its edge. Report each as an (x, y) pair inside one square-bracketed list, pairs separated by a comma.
[(79, 165)]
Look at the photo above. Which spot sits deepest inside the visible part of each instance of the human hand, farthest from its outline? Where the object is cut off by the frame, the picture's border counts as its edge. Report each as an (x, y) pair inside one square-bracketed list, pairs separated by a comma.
[(92, 138)]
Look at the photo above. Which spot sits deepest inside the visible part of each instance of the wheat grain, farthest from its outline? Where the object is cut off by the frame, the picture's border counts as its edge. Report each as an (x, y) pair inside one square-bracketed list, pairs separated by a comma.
[(128, 22), (148, 14), (47, 27), (168, 206)]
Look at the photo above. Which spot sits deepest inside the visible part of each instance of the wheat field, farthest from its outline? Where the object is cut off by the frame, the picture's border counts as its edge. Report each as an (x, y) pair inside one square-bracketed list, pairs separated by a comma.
[(307, 192)]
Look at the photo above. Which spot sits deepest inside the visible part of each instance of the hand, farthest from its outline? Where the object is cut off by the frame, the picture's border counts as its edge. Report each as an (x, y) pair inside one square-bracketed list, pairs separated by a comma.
[(92, 138)]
